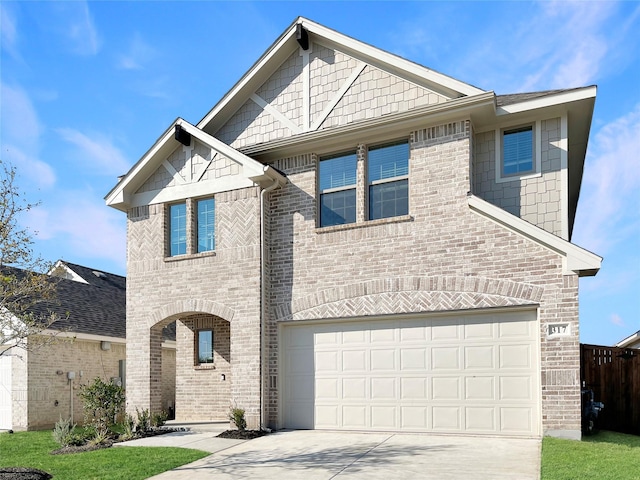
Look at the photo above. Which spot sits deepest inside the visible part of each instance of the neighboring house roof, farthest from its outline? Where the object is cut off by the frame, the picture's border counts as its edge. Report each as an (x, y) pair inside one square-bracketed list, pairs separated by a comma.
[(88, 301), (632, 341)]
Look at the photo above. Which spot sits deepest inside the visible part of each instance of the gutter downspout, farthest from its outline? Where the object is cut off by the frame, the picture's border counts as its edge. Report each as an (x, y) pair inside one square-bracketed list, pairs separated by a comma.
[(263, 296)]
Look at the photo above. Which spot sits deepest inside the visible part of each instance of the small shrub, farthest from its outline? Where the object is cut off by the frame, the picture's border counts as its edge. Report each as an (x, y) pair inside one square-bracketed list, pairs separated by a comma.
[(236, 415), (128, 427), (159, 419), (63, 432), (144, 420)]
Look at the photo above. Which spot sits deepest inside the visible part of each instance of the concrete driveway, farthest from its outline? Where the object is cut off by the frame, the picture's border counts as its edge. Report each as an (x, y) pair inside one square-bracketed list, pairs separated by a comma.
[(311, 455)]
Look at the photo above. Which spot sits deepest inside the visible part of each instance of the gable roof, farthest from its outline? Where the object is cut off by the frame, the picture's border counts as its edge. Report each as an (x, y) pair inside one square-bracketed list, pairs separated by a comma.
[(120, 196), (287, 44), (632, 339)]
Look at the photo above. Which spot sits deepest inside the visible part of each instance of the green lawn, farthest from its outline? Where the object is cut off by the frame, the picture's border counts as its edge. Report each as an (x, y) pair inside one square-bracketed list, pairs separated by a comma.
[(604, 456), (31, 449)]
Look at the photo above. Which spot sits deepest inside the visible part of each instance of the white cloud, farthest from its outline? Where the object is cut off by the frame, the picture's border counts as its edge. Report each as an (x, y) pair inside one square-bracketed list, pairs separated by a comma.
[(80, 225), (138, 55), (617, 320), (20, 131), (71, 21), (610, 198), (96, 152), (8, 31)]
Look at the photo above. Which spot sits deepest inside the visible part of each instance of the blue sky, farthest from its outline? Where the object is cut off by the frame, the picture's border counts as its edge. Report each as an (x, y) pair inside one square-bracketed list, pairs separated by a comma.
[(88, 87)]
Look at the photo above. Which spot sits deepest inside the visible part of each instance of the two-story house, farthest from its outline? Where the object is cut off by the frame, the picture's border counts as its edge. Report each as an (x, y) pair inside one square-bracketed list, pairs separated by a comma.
[(349, 240)]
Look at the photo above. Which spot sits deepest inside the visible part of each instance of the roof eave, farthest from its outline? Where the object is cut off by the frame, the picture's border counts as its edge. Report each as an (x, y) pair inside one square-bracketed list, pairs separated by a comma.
[(575, 259), (381, 128)]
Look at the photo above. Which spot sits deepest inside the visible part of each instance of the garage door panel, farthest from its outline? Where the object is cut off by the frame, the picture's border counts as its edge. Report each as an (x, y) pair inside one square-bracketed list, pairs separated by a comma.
[(326, 416), (413, 359), (384, 416), (480, 357), (354, 388), (446, 388), (444, 330), (326, 362), (445, 418), (515, 356), (355, 416), (480, 388), (414, 418), (413, 388), (471, 372), (383, 334), (480, 419), (354, 360), (383, 359), (445, 358), (383, 388), (478, 330), (327, 389)]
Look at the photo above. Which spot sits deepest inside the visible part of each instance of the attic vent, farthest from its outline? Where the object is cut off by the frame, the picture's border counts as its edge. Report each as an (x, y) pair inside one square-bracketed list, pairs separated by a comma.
[(99, 274), (302, 36), (182, 136)]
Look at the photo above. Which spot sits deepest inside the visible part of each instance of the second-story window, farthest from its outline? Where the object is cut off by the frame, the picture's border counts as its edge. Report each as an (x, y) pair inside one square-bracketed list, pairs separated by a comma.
[(517, 151), (338, 189), (178, 229), (206, 225), (388, 179)]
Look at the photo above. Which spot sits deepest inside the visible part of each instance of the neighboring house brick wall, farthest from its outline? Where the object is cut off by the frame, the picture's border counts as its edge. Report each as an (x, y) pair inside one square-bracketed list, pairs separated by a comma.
[(225, 284), (536, 200), (444, 257), (46, 387)]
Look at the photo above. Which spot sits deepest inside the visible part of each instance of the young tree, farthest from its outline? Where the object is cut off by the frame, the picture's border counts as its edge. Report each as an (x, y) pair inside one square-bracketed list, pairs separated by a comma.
[(24, 290)]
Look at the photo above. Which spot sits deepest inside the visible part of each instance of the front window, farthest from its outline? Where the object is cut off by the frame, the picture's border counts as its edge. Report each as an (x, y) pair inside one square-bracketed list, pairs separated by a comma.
[(388, 170), (178, 229), (206, 225), (517, 151), (205, 346), (338, 190)]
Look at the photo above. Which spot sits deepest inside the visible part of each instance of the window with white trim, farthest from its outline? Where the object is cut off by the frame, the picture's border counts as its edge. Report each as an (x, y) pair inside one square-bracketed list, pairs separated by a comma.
[(517, 151), (388, 180), (337, 188)]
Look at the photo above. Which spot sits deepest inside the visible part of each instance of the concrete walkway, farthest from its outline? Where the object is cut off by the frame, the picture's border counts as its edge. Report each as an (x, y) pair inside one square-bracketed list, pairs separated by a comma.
[(326, 455)]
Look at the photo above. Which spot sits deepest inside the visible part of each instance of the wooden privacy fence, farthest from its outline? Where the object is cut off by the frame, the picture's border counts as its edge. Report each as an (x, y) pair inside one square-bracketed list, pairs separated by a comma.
[(614, 376)]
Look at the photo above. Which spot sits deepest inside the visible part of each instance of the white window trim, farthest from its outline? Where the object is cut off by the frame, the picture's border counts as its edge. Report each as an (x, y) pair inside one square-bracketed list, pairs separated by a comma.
[(537, 154)]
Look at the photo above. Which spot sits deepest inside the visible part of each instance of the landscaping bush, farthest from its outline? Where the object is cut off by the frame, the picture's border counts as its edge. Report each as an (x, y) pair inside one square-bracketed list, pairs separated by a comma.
[(63, 432), (236, 415), (103, 402)]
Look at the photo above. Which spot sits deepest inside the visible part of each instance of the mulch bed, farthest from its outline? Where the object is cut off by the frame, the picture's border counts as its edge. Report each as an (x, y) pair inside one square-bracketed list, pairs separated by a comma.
[(21, 473), (242, 434)]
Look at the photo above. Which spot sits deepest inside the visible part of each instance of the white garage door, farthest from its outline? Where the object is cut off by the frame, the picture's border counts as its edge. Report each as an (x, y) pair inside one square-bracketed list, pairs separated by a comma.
[(5, 392), (472, 373)]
